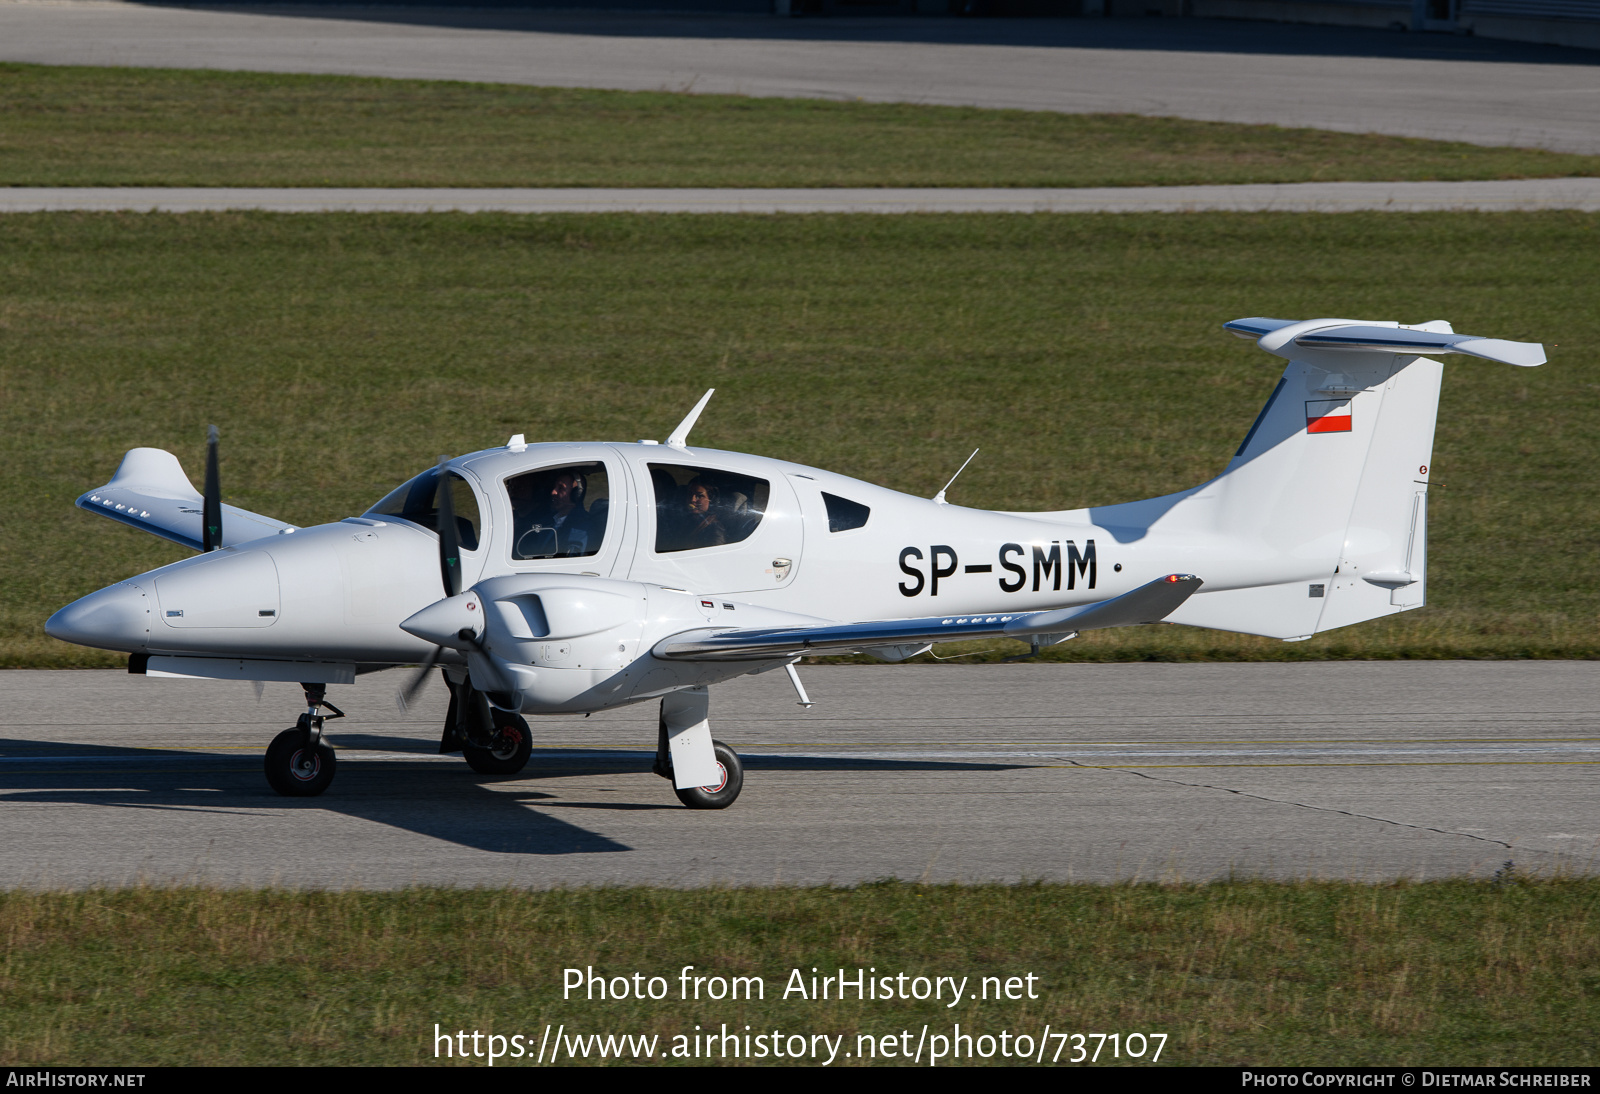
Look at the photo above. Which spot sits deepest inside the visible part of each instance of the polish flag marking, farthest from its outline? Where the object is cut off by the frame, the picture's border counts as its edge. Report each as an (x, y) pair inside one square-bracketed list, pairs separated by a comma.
[(1328, 416)]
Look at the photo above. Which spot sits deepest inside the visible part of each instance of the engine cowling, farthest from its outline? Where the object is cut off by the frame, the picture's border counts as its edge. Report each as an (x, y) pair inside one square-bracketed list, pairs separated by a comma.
[(547, 643)]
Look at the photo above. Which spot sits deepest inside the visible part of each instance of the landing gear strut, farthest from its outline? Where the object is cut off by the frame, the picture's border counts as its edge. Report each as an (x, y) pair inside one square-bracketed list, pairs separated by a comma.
[(508, 750), (492, 741), (683, 713), (299, 763)]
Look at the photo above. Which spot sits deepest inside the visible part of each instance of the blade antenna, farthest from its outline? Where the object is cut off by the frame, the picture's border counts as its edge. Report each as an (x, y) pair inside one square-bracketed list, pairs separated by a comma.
[(938, 499), (680, 436), (211, 507)]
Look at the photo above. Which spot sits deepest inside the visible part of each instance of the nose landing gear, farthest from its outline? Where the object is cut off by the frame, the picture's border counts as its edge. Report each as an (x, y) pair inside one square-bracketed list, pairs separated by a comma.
[(299, 763)]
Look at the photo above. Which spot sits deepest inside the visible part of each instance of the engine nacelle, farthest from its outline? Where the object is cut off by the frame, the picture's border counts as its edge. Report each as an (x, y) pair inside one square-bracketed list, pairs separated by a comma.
[(551, 643)]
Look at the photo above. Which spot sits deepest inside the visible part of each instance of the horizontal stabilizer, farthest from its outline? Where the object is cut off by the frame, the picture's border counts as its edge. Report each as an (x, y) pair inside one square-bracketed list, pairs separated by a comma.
[(1400, 340), (1282, 336), (150, 492), (1150, 603), (1257, 327)]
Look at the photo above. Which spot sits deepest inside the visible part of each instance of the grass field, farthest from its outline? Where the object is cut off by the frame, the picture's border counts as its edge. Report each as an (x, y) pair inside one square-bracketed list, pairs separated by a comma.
[(1468, 973), (341, 354), (64, 126)]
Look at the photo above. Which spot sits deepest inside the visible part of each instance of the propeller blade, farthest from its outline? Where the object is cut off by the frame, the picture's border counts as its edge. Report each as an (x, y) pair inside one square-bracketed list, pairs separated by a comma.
[(211, 508), (408, 694), (449, 534)]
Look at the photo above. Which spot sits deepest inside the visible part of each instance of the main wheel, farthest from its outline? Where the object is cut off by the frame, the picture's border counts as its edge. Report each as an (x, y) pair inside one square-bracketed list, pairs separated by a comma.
[(508, 753), (724, 793), (294, 774)]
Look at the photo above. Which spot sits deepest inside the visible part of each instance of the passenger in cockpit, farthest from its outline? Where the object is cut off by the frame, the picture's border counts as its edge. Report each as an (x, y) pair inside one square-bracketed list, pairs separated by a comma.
[(704, 526)]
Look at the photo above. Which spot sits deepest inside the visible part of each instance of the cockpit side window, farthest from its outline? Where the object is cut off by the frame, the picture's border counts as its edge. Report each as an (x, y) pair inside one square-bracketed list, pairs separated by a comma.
[(559, 512), (417, 500), (844, 514), (704, 507)]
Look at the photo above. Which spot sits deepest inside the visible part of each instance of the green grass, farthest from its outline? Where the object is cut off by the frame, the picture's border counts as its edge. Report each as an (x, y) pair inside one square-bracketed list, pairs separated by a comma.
[(1242, 972), (341, 354), (116, 127)]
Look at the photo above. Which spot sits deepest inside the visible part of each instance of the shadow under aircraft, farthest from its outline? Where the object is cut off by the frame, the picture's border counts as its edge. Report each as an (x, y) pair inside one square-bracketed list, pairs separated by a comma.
[(425, 797)]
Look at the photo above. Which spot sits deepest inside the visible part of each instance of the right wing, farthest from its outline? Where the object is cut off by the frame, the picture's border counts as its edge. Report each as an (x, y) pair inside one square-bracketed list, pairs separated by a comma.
[(1149, 603), (150, 492)]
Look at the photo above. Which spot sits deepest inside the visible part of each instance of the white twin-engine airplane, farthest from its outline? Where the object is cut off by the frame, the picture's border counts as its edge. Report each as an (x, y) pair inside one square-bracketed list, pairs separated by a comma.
[(578, 577)]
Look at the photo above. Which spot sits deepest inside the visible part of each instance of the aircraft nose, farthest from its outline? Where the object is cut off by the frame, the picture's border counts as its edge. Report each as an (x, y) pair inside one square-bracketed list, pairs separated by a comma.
[(115, 618)]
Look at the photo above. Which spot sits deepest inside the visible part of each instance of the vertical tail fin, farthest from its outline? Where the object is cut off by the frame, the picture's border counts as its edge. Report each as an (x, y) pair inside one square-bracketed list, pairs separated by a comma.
[(1326, 499)]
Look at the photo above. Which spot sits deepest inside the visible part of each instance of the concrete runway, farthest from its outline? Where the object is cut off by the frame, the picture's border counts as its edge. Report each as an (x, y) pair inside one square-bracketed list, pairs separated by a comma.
[(1364, 770), (1503, 195), (1348, 79)]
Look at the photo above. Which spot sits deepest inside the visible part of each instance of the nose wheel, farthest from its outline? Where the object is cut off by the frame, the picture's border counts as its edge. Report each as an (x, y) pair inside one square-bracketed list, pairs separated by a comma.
[(296, 769), (299, 763)]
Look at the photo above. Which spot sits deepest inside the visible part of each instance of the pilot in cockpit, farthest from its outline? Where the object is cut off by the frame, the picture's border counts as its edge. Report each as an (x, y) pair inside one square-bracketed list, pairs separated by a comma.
[(554, 525)]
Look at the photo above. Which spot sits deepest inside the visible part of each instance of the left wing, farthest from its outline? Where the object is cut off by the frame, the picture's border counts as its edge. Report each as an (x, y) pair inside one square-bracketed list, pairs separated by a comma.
[(1149, 603), (150, 492)]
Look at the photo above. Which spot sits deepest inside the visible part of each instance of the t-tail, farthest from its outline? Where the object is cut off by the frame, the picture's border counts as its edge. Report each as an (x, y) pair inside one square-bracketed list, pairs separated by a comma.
[(1321, 518)]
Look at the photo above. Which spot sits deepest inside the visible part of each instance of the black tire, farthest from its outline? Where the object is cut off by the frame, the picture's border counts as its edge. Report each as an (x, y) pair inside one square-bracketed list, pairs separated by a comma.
[(513, 744), (718, 797), (285, 772)]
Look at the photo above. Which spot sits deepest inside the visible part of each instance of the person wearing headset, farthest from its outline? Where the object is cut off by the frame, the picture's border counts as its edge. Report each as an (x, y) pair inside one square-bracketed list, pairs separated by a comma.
[(562, 529)]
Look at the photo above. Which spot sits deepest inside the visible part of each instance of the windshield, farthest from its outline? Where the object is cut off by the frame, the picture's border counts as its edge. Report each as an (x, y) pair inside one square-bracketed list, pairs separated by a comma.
[(417, 500)]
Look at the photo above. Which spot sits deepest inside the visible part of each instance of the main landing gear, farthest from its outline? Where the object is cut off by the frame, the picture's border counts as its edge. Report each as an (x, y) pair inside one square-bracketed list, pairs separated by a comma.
[(492, 741), (683, 729), (299, 763)]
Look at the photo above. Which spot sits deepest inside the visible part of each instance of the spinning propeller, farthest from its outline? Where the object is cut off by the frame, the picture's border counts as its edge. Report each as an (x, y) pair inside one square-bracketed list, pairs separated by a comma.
[(211, 506), (449, 573)]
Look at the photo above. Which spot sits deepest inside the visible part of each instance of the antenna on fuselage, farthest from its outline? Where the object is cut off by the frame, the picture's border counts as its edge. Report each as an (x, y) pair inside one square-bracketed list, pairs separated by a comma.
[(938, 499), (680, 436)]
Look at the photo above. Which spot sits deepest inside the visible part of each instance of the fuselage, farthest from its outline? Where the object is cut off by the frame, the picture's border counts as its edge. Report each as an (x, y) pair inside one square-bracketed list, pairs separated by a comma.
[(741, 529)]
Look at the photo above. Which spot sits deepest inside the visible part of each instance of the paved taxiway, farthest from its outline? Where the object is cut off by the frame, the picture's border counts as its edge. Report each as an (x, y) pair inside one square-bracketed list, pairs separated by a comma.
[(1502, 195), (1341, 78), (1360, 770)]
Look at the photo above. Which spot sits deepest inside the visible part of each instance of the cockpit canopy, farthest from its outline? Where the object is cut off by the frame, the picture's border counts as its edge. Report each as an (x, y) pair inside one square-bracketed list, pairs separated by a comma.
[(417, 500)]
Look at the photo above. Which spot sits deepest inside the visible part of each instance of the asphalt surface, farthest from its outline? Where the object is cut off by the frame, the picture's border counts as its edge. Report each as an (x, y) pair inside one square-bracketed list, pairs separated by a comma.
[(1316, 197), (1364, 770), (1348, 79)]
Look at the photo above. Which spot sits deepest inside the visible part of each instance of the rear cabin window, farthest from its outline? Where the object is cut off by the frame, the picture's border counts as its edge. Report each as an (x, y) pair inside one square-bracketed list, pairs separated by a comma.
[(844, 514), (417, 500), (559, 512), (700, 507)]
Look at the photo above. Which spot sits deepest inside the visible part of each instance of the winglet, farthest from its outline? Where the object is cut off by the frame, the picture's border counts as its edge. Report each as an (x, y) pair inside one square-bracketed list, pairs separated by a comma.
[(680, 436)]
